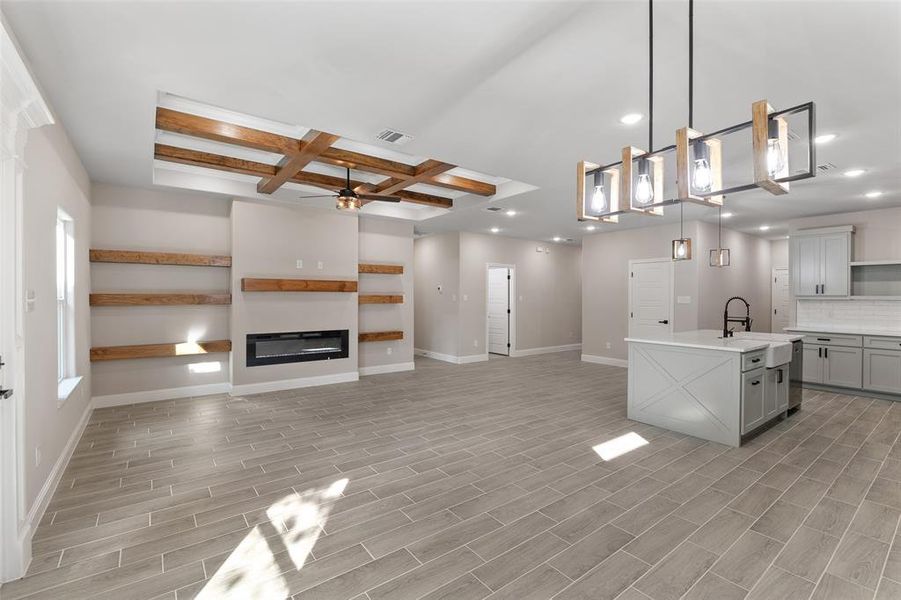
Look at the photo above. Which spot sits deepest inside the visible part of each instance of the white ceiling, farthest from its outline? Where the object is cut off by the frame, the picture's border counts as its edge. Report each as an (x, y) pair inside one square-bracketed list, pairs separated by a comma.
[(521, 90)]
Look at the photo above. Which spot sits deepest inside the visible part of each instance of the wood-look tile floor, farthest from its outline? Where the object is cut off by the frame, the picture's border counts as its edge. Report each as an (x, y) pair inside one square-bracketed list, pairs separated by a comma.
[(466, 482)]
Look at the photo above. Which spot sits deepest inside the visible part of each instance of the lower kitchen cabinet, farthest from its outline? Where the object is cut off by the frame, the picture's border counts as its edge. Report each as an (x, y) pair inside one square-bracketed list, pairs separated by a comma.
[(882, 370), (775, 399), (813, 363), (753, 412), (842, 366)]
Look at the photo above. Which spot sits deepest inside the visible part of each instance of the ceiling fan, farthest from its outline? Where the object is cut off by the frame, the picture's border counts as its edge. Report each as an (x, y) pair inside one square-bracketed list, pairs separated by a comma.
[(348, 199)]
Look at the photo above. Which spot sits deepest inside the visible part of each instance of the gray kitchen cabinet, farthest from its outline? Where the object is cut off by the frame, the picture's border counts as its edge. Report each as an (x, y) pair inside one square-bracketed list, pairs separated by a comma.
[(842, 366), (821, 262), (753, 411), (776, 391), (882, 370), (813, 364)]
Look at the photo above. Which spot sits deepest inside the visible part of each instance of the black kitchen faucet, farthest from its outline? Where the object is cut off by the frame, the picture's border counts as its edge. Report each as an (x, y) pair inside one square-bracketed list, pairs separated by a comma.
[(746, 320)]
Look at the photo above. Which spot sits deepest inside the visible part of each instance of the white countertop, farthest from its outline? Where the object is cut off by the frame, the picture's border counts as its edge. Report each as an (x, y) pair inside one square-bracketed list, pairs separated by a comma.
[(705, 339), (769, 337), (844, 329)]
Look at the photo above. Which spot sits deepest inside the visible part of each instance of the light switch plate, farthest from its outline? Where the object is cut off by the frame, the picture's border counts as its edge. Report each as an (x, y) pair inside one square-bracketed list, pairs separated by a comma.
[(299, 263), (319, 265), (683, 300)]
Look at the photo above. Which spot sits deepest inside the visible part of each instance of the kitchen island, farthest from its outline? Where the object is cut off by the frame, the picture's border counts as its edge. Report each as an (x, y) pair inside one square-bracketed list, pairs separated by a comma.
[(702, 384)]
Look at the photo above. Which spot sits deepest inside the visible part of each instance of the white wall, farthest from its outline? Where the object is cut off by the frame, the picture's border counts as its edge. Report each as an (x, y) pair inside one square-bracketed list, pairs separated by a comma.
[(547, 298), (267, 241), (385, 241), (54, 178), (436, 263), (128, 218)]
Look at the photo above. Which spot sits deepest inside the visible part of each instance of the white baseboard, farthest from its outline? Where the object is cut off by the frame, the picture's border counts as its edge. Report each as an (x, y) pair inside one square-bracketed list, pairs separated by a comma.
[(164, 394), (457, 360), (474, 358), (290, 384), (36, 513), (380, 369), (605, 360), (545, 350)]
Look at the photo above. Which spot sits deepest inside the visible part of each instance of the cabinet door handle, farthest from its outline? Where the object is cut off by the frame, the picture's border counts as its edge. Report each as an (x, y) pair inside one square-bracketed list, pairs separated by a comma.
[(825, 352), (819, 352), (824, 339), (664, 322), (780, 376), (755, 360), (755, 382)]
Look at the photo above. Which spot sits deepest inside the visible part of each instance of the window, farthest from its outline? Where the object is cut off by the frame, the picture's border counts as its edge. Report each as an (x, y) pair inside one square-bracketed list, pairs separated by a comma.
[(65, 278)]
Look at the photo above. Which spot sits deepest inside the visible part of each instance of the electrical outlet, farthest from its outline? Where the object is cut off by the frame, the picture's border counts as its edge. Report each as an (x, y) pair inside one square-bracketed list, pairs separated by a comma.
[(37, 456), (389, 351), (319, 265), (683, 299), (475, 343), (299, 263), (608, 345), (465, 297)]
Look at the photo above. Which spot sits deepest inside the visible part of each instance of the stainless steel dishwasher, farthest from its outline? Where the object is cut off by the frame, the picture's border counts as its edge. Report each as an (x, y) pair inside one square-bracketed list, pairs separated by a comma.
[(796, 370)]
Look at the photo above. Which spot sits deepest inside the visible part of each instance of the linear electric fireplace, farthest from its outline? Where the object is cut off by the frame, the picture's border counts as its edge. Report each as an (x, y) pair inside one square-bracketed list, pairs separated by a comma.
[(296, 346)]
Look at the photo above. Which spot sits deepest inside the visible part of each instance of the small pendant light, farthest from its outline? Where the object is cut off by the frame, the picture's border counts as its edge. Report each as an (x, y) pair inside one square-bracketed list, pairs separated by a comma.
[(719, 256), (682, 246)]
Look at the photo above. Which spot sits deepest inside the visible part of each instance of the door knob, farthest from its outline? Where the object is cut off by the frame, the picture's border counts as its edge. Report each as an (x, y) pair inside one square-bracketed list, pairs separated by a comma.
[(4, 394), (664, 322)]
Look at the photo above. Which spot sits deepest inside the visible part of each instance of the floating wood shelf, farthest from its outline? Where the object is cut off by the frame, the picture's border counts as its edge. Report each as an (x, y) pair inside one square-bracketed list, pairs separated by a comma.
[(381, 299), (381, 269), (381, 336), (159, 258), (159, 350), (161, 299), (249, 284)]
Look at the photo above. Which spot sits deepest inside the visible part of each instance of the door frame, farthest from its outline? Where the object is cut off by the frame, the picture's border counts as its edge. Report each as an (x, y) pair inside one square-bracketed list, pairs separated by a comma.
[(511, 299), (773, 294), (22, 108), (672, 289)]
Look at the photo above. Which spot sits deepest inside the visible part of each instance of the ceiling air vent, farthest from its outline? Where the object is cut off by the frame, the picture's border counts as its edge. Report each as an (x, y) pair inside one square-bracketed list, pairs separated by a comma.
[(395, 137), (493, 208), (825, 166)]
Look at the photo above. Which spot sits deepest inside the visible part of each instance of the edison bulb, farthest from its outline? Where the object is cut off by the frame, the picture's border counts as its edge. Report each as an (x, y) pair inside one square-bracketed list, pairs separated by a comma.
[(774, 159), (680, 250), (598, 200), (703, 178), (644, 191)]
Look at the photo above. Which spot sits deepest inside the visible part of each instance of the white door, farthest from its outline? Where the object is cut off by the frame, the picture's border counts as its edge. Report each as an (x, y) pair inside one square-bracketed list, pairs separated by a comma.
[(650, 297), (781, 293), (499, 310)]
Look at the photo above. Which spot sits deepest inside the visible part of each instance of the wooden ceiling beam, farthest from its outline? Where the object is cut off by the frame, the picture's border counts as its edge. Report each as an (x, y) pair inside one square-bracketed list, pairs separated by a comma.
[(424, 171), (313, 144), (463, 184), (248, 167), (228, 133)]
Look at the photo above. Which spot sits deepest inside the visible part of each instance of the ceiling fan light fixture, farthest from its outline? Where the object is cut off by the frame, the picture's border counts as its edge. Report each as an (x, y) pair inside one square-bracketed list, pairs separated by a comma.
[(348, 200)]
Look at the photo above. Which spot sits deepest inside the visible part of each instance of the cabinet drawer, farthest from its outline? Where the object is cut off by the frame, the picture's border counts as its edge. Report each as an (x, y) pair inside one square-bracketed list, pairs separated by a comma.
[(882, 343), (752, 360), (832, 339)]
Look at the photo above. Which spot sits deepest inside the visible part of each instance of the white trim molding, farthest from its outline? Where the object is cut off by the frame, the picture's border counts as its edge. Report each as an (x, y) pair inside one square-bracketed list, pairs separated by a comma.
[(157, 395), (545, 350), (457, 360), (381, 369), (605, 360), (290, 384)]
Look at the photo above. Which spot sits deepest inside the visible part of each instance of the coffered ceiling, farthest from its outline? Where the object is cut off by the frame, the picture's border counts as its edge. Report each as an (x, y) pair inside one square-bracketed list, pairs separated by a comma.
[(522, 90)]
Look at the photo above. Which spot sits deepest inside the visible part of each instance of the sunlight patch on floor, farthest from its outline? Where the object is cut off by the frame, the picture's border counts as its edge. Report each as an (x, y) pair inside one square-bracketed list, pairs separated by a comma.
[(253, 571), (620, 445)]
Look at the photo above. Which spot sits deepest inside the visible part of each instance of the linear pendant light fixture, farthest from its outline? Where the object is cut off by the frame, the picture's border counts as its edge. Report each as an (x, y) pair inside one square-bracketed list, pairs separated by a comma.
[(699, 169), (719, 256)]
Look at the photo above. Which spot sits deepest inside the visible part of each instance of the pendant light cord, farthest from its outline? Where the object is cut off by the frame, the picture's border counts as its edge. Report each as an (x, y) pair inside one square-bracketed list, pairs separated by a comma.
[(650, 76), (691, 63), (719, 234)]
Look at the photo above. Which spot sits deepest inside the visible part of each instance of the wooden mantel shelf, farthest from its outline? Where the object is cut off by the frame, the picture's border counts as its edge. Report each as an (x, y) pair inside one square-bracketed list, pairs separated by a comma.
[(381, 269), (381, 336), (381, 299), (159, 258), (158, 299), (250, 284), (159, 350)]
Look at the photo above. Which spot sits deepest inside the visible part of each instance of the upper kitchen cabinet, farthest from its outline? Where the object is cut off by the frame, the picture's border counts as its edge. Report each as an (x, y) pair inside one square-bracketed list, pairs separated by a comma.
[(821, 261)]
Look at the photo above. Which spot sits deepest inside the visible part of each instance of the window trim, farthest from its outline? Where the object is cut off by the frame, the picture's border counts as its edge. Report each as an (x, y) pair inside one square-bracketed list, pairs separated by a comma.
[(65, 294)]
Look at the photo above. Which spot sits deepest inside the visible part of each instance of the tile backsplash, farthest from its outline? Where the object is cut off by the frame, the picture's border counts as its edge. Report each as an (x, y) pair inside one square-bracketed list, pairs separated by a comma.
[(866, 314)]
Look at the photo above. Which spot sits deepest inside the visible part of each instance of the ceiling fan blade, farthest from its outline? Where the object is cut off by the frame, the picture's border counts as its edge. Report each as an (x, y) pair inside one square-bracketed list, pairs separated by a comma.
[(320, 196), (377, 197)]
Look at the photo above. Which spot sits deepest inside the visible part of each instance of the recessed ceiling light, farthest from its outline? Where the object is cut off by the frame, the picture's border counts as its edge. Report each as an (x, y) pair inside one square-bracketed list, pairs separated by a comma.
[(495, 229), (557, 238), (824, 139), (726, 215), (631, 118), (590, 228), (511, 213), (854, 173), (764, 227), (873, 194)]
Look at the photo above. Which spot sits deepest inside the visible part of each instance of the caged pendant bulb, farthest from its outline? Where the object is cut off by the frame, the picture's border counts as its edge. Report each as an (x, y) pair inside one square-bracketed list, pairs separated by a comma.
[(775, 161), (680, 251), (703, 178), (598, 203), (644, 189)]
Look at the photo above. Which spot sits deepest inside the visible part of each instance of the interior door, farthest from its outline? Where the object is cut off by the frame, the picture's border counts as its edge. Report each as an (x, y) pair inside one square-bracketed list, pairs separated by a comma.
[(780, 294), (650, 298), (806, 264), (499, 310)]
